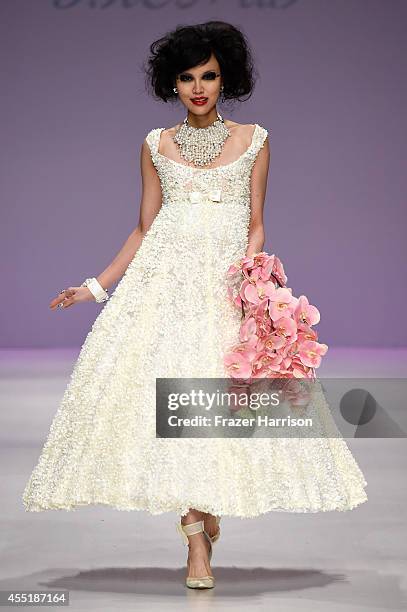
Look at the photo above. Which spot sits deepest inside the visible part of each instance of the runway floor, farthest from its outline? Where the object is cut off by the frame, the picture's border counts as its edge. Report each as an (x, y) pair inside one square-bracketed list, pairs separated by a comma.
[(111, 560)]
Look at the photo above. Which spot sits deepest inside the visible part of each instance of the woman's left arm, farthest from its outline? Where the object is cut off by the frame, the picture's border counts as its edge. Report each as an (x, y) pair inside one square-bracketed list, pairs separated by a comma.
[(258, 187)]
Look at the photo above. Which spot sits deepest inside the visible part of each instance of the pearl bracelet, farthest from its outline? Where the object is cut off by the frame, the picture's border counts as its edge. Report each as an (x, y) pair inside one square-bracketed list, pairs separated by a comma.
[(100, 294)]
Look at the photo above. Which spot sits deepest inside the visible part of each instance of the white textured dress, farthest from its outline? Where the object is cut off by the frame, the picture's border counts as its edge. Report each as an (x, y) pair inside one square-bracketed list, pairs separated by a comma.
[(169, 316)]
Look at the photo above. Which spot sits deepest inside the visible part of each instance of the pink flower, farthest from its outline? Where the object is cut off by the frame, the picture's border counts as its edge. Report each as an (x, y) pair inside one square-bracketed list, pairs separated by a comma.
[(267, 267), (248, 331), (306, 333), (256, 293), (273, 342), (264, 327), (244, 264), (285, 326), (265, 365), (237, 365), (299, 370), (311, 352), (280, 303), (278, 271), (306, 313)]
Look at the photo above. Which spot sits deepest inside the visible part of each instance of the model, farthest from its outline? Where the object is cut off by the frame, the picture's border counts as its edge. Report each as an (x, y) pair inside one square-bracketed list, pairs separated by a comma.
[(203, 190)]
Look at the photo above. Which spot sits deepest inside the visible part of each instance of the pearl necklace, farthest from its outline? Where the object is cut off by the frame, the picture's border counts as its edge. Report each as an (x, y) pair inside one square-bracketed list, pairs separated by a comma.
[(201, 145)]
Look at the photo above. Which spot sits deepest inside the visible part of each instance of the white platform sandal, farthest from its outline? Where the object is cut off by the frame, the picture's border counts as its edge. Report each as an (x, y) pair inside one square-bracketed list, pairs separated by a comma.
[(201, 582)]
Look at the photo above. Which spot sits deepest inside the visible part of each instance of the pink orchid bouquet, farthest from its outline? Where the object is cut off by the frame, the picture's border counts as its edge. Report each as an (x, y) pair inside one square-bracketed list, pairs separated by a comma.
[(276, 335)]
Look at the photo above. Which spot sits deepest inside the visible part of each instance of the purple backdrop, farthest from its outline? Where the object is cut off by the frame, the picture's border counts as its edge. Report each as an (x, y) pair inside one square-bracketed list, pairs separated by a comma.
[(74, 112)]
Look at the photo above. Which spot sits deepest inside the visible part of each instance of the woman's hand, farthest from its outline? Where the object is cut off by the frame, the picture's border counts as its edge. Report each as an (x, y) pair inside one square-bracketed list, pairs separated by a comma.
[(70, 296)]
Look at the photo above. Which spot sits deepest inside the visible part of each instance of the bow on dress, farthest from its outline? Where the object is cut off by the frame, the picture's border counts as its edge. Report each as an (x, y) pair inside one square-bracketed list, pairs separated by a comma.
[(198, 197)]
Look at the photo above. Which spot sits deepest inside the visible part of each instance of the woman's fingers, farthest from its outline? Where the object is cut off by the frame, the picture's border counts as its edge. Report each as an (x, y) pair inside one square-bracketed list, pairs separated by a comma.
[(70, 298), (54, 303), (64, 299)]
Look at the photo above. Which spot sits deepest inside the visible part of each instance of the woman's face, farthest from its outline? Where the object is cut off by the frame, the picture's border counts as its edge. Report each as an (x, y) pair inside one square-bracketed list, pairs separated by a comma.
[(202, 81)]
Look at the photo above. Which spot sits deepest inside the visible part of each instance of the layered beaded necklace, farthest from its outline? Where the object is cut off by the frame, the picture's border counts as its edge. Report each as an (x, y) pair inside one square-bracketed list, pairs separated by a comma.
[(201, 145)]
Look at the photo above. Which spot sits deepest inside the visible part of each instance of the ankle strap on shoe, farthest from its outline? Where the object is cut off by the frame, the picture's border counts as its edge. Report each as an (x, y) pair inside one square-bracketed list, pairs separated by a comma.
[(190, 529)]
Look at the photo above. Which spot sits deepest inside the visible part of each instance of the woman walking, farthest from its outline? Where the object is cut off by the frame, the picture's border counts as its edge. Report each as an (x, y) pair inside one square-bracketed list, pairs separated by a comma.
[(204, 184)]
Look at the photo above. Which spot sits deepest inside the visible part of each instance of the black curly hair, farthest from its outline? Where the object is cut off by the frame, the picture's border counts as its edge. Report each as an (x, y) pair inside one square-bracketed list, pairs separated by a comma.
[(191, 45)]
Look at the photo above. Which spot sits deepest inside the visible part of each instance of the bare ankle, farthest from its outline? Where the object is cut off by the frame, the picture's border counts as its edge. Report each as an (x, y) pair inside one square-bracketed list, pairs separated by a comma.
[(193, 516)]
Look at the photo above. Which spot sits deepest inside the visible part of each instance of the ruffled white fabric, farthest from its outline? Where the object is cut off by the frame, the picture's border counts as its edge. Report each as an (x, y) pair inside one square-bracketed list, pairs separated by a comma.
[(169, 316)]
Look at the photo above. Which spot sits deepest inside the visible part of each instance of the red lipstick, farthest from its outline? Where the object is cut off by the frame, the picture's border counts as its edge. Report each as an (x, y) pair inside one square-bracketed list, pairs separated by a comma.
[(199, 101)]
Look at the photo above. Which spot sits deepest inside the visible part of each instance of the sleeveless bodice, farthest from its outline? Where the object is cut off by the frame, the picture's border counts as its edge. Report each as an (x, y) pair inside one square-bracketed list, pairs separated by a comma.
[(228, 184)]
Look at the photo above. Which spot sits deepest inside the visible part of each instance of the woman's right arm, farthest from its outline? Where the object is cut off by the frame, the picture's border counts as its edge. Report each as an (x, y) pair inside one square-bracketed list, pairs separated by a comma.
[(151, 200)]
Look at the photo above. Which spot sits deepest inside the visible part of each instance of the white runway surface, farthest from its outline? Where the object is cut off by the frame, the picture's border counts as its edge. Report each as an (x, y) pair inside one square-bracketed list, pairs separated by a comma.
[(131, 561)]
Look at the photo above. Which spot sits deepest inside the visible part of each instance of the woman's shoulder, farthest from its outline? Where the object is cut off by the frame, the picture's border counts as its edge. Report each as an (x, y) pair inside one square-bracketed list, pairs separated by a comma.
[(247, 132), (153, 137), (153, 132)]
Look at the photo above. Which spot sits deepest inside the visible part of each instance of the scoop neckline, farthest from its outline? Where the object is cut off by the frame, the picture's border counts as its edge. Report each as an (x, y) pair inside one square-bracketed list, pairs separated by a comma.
[(173, 161)]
